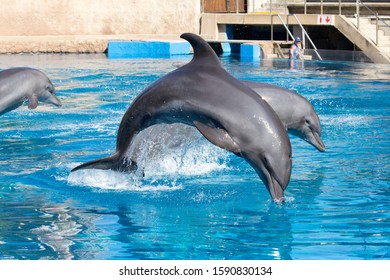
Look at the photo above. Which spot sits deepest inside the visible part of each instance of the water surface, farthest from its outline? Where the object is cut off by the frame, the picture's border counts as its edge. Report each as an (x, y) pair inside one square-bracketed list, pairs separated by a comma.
[(196, 201)]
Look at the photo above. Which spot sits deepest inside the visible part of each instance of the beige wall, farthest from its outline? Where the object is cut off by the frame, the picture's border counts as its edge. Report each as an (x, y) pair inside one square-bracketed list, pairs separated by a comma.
[(98, 17)]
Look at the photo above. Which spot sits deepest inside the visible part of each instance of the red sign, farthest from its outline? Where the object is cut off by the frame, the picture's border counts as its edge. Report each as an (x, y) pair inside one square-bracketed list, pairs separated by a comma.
[(325, 19)]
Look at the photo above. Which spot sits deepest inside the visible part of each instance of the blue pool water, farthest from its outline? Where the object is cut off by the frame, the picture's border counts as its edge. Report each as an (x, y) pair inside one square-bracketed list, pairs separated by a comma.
[(196, 201)]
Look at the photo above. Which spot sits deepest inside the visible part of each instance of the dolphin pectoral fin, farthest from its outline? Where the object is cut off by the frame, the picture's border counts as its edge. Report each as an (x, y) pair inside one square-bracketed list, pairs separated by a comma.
[(218, 137), (32, 102)]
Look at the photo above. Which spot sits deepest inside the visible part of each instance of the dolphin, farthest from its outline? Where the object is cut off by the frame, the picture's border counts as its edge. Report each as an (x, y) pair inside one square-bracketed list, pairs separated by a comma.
[(21, 83), (224, 110), (295, 111)]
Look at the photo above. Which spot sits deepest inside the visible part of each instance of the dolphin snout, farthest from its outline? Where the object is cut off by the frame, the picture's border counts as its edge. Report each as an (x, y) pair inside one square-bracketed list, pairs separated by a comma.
[(316, 141), (276, 191), (54, 100), (278, 182), (274, 178)]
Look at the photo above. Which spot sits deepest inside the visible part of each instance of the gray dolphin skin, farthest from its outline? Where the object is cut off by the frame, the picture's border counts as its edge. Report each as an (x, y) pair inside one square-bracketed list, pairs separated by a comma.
[(225, 111), (295, 112), (19, 84)]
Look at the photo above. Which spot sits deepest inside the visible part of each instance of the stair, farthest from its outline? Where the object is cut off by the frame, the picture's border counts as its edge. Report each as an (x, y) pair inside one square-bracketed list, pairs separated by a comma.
[(367, 26), (364, 37), (281, 50)]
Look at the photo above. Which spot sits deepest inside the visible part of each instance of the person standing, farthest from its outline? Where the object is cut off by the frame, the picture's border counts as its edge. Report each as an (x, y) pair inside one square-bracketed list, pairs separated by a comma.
[(296, 49)]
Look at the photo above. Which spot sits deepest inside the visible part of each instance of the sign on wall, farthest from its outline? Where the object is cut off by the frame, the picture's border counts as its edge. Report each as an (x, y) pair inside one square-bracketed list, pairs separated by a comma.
[(325, 19)]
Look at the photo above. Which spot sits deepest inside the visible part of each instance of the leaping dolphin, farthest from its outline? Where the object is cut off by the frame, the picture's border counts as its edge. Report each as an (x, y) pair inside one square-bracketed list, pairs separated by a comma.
[(225, 111), (21, 83), (295, 112)]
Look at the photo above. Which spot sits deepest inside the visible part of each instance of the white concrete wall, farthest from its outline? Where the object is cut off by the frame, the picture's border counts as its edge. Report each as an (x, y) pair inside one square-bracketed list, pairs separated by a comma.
[(98, 17)]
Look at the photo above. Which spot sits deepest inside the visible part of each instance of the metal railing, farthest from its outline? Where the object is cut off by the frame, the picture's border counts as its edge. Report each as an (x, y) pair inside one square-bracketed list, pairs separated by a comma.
[(321, 6), (377, 20), (284, 24), (305, 34), (359, 4)]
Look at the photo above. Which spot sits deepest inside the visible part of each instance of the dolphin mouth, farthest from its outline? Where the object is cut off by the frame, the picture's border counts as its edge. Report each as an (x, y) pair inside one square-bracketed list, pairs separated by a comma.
[(318, 142), (276, 191), (275, 188), (275, 184)]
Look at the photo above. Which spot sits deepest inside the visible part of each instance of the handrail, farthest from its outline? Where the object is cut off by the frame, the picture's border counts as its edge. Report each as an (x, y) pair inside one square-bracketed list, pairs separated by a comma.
[(289, 32), (307, 35), (377, 19), (373, 13), (282, 21)]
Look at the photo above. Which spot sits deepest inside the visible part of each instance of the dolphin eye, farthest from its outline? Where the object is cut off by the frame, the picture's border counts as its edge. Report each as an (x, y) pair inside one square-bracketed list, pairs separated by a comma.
[(309, 123)]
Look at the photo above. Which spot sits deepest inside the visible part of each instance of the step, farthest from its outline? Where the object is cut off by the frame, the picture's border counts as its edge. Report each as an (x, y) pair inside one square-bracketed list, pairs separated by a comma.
[(371, 30), (362, 20), (272, 55)]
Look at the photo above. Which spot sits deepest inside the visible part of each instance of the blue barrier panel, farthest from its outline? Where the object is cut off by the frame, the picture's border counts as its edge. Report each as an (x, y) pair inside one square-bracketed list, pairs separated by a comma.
[(179, 48), (250, 52), (227, 50), (138, 49)]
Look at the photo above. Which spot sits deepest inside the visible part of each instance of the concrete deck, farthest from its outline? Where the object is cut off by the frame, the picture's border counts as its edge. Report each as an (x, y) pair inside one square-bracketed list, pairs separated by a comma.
[(72, 44)]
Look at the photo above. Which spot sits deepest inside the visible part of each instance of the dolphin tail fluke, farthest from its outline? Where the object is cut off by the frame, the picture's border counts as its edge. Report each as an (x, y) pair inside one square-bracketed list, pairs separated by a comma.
[(113, 162)]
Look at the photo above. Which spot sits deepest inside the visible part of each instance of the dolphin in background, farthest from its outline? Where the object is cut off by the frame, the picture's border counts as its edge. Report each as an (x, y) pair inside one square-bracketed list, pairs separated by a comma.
[(295, 112), (21, 83), (224, 110)]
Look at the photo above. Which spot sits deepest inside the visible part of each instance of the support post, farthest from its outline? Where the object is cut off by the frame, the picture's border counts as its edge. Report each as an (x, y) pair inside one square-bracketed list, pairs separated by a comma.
[(340, 7), (377, 30), (357, 14)]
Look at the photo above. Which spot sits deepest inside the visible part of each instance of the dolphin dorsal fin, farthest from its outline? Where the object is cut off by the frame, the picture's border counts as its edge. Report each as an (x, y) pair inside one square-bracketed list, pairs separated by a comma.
[(202, 50), (219, 137)]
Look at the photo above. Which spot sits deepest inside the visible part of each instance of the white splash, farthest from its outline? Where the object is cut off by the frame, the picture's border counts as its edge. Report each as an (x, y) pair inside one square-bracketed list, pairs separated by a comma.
[(163, 154), (118, 181)]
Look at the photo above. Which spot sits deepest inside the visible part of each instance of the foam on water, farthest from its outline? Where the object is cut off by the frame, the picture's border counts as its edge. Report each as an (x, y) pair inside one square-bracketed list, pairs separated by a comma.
[(111, 180), (161, 171)]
